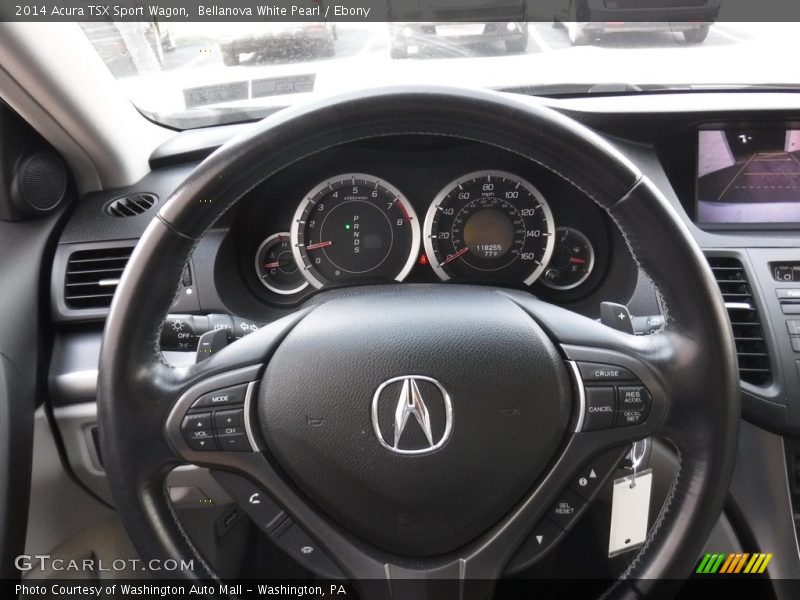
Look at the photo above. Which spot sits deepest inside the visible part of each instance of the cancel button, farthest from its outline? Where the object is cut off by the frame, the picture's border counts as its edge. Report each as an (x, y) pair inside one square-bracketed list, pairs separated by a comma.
[(600, 408)]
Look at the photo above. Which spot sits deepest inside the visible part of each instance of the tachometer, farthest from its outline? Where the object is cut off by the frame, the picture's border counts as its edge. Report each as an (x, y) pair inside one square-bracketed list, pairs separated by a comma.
[(355, 228), (489, 226)]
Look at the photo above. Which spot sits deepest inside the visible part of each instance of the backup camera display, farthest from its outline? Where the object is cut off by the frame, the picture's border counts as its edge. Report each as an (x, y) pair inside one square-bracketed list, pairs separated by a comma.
[(748, 176)]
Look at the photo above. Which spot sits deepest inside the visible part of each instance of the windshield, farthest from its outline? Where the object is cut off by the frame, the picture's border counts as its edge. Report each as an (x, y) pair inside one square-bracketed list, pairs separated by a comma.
[(194, 74)]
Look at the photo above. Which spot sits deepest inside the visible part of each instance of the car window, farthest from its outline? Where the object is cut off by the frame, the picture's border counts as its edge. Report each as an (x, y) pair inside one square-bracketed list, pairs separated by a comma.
[(191, 74)]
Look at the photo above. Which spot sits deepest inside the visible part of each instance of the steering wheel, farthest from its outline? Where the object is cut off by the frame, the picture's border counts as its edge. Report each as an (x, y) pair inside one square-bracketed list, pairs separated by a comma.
[(506, 365)]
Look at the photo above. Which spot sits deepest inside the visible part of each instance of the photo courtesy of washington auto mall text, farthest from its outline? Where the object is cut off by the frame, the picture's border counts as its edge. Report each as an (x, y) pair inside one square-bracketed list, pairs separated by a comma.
[(78, 591)]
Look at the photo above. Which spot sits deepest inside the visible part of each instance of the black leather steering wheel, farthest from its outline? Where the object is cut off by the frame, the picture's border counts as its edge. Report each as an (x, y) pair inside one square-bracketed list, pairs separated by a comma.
[(489, 348)]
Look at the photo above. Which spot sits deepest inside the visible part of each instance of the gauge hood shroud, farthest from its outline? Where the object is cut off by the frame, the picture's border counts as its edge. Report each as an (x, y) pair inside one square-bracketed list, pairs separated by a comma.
[(511, 398)]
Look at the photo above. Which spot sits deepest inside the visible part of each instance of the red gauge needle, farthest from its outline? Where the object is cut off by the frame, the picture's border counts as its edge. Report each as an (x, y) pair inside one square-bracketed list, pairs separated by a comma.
[(577, 261), (319, 245), (454, 256), (272, 265)]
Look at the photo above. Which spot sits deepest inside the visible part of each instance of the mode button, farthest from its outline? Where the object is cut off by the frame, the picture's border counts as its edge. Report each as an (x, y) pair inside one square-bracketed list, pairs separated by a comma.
[(223, 397)]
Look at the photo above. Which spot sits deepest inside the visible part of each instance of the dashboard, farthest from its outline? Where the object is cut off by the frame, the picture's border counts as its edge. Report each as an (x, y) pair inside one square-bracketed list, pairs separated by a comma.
[(439, 211), (427, 216)]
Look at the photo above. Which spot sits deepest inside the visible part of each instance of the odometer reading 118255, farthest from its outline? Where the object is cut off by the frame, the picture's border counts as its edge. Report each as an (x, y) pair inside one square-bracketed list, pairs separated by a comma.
[(489, 226), (354, 228)]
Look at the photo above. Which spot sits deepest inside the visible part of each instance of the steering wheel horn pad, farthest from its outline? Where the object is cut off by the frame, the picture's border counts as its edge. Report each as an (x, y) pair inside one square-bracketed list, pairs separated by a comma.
[(510, 394), (499, 355)]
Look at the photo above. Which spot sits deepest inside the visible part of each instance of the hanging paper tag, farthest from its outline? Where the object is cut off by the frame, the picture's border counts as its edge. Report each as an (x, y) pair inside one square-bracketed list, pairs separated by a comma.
[(630, 508)]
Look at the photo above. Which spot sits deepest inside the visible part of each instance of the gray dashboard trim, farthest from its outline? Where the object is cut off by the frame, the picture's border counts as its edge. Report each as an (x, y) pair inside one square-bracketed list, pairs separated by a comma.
[(760, 492), (75, 423)]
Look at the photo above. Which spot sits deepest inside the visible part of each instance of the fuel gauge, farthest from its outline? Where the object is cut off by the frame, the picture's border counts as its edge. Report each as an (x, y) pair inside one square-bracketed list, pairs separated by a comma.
[(572, 261), (276, 267)]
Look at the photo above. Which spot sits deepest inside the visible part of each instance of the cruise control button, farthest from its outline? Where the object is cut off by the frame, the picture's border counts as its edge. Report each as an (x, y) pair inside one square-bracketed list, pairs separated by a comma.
[(566, 509), (234, 443), (633, 397), (231, 395), (630, 417), (196, 422), (542, 538), (603, 372), (600, 408)]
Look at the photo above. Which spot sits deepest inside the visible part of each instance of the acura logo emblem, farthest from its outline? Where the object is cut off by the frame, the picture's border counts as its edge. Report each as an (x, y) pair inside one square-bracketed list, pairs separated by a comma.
[(412, 410)]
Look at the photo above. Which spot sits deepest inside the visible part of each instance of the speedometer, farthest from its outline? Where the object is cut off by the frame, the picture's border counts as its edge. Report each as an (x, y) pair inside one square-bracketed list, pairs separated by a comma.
[(489, 226), (354, 228)]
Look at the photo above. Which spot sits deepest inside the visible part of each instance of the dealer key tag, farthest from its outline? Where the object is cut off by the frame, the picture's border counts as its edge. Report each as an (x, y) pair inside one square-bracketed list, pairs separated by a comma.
[(630, 506)]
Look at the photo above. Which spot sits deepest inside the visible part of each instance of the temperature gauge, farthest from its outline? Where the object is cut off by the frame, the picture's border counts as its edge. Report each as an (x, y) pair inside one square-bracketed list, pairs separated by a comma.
[(572, 261), (276, 267)]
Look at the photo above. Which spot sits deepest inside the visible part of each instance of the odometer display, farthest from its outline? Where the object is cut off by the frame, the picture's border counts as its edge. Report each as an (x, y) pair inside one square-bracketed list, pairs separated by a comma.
[(354, 228), (489, 226)]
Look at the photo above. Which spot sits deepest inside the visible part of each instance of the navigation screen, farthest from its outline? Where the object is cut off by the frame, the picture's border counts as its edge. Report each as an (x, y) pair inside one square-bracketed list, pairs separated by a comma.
[(748, 176)]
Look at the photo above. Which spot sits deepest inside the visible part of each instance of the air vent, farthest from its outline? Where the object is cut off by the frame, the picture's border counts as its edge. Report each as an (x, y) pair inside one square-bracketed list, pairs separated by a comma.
[(751, 347), (92, 276), (132, 205)]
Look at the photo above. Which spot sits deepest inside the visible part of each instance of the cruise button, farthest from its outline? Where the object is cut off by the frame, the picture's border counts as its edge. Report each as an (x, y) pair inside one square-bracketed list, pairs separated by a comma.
[(603, 372)]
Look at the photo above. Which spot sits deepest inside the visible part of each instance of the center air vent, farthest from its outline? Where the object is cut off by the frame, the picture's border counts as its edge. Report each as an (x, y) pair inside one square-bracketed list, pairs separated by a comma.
[(132, 205), (751, 348), (92, 276)]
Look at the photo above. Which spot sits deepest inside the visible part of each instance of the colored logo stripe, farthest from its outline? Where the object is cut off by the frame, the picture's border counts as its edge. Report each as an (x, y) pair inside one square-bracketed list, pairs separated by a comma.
[(733, 563)]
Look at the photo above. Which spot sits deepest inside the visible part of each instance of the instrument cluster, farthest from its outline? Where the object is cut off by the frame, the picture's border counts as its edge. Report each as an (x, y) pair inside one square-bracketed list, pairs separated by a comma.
[(508, 225)]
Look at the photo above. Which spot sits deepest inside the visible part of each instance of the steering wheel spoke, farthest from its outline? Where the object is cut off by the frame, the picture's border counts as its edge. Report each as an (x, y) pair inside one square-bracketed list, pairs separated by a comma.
[(213, 414)]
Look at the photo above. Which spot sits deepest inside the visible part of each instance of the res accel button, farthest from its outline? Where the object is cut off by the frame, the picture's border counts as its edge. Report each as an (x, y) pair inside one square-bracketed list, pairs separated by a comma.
[(600, 408), (633, 397)]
